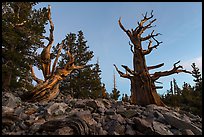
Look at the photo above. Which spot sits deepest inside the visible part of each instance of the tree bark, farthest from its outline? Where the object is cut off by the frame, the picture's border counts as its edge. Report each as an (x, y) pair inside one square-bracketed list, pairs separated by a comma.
[(143, 89), (48, 88)]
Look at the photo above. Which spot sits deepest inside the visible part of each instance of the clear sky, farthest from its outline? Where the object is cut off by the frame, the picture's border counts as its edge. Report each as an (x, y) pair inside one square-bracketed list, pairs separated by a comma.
[(178, 22)]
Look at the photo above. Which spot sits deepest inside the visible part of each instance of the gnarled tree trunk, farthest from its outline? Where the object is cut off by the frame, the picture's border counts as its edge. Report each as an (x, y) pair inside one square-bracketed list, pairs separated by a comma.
[(48, 88), (143, 89)]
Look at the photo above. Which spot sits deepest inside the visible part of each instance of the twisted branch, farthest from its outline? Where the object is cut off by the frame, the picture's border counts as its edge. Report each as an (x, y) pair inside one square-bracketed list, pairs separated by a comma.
[(175, 69), (128, 70), (121, 26), (156, 66), (150, 36), (121, 73), (145, 19), (150, 47), (34, 77), (45, 55), (56, 59)]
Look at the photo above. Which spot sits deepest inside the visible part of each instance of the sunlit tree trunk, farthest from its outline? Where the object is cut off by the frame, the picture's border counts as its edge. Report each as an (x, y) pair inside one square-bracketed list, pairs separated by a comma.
[(48, 88), (143, 89)]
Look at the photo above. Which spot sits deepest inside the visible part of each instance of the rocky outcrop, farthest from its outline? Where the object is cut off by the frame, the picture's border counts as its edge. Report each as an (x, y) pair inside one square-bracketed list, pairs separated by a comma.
[(69, 116)]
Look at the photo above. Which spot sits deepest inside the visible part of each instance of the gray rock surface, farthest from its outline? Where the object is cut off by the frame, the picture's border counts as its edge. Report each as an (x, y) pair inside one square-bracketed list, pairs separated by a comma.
[(69, 116), (181, 124)]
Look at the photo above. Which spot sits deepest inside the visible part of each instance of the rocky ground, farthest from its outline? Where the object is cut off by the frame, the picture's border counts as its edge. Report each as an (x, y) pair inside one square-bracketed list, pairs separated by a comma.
[(69, 116)]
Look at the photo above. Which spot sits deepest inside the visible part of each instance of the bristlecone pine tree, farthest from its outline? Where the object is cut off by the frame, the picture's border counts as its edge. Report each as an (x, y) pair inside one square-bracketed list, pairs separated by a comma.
[(48, 88), (143, 89)]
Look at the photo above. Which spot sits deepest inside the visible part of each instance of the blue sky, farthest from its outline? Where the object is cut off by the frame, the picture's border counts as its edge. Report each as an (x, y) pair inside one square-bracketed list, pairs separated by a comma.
[(178, 22)]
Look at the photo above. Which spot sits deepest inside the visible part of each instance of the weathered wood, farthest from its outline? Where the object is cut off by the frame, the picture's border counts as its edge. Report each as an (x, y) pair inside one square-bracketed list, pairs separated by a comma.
[(143, 89), (48, 88)]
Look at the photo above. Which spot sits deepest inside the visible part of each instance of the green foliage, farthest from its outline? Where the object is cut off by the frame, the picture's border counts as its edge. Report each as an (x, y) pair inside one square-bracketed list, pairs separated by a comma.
[(86, 82), (115, 94), (96, 82), (104, 93), (22, 30), (189, 98), (125, 98), (198, 79)]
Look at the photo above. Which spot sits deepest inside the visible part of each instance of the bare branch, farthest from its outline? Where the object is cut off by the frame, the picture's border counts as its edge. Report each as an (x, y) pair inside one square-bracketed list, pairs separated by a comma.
[(55, 62), (150, 47), (45, 54), (34, 77), (145, 52), (147, 26), (158, 87), (158, 82), (175, 69), (128, 70), (140, 28), (155, 46), (145, 19), (121, 26), (51, 38), (71, 60), (145, 15), (156, 66), (121, 73), (150, 36), (177, 63)]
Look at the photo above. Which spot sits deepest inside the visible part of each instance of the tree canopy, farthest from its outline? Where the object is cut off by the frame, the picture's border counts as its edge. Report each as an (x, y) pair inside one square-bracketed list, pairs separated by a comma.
[(23, 28), (82, 83)]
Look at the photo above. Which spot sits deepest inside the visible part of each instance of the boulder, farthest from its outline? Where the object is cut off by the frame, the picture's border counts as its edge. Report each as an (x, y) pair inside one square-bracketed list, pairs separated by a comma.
[(6, 109), (10, 100), (86, 116), (129, 130), (110, 111), (181, 124), (161, 129), (80, 103), (70, 116), (114, 127), (128, 113), (143, 126), (187, 132), (57, 108)]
